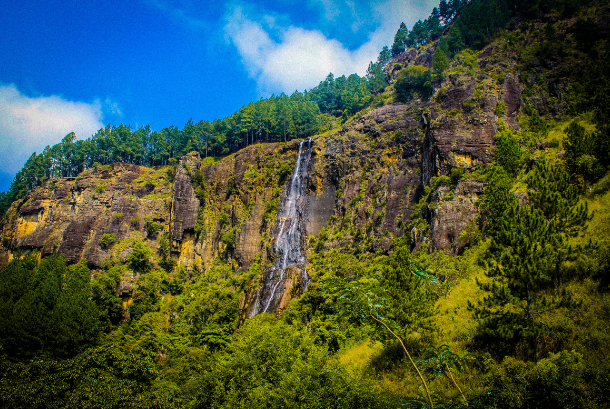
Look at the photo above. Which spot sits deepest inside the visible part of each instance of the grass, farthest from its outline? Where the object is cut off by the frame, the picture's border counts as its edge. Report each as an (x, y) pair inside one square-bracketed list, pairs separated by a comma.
[(358, 357)]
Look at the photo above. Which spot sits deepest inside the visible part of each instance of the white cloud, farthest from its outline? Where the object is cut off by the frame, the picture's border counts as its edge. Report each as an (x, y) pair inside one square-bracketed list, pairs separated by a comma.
[(301, 58), (28, 124)]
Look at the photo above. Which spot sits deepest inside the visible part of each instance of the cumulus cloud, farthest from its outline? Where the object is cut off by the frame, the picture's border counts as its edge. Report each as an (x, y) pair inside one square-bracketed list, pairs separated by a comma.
[(285, 58), (28, 124), (300, 59)]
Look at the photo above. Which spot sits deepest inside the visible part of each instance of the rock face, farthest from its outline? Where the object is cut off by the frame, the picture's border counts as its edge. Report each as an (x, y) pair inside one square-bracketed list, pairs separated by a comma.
[(185, 205), (70, 215), (453, 212)]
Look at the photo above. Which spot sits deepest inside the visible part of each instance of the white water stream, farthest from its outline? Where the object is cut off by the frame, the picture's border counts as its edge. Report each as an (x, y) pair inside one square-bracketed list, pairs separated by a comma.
[(289, 239)]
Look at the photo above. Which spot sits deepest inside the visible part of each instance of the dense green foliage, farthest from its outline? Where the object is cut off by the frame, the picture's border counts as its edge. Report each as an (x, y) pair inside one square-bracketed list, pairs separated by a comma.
[(274, 365), (46, 308), (414, 80), (103, 377)]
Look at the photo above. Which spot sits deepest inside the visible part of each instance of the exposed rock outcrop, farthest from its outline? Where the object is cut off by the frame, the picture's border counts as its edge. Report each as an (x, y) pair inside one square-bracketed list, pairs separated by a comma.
[(185, 204), (70, 215), (454, 210)]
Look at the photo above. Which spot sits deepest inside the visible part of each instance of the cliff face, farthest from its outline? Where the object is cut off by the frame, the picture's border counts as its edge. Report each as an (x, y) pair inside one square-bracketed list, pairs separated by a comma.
[(70, 215), (363, 180)]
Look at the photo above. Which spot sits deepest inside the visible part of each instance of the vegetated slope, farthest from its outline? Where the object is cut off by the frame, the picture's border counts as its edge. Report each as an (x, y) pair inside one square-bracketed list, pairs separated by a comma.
[(410, 204)]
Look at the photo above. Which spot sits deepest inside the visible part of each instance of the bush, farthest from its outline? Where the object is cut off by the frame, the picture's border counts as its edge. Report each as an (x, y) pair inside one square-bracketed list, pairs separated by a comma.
[(284, 171), (301, 374), (470, 105), (135, 222), (139, 258), (500, 109), (413, 80), (107, 240), (562, 380), (102, 377), (105, 168), (229, 241), (152, 227)]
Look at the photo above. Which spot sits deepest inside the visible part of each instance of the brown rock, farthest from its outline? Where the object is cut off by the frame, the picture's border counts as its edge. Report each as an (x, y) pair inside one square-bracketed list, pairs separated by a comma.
[(185, 205), (450, 217)]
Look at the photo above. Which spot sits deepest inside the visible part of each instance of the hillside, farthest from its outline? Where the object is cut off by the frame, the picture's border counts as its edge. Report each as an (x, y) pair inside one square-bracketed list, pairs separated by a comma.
[(442, 242)]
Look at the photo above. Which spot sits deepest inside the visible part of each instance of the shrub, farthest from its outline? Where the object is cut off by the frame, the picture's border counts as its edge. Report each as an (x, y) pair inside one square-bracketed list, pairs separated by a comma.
[(197, 177), (231, 187), (454, 112), (107, 240), (139, 256), (224, 219), (284, 171), (500, 78), (152, 228), (412, 80), (379, 217), (469, 105), (229, 241), (135, 222), (500, 109)]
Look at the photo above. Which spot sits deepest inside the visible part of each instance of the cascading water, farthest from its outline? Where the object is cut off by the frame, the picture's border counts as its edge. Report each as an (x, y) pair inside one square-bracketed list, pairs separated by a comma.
[(289, 238)]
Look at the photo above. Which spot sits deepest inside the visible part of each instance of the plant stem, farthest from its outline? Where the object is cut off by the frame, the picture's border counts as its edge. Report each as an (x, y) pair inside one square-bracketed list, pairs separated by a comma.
[(411, 359), (456, 385)]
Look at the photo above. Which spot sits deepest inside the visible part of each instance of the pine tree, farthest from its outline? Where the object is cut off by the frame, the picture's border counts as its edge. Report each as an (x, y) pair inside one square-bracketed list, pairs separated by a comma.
[(529, 249), (558, 200), (455, 39), (508, 152), (440, 62), (521, 273), (580, 157), (385, 55), (410, 301), (497, 197), (445, 11), (376, 77), (400, 40)]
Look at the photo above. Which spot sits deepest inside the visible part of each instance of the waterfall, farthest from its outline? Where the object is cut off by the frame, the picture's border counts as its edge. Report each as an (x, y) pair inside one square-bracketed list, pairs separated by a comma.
[(288, 239)]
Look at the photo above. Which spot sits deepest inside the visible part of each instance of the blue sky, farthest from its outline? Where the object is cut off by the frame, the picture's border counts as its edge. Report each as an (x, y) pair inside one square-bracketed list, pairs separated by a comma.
[(75, 65)]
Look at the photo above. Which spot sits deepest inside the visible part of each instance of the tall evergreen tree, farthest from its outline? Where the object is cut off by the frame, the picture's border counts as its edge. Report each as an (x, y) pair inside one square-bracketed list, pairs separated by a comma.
[(440, 62), (410, 301), (580, 157), (508, 152), (400, 40), (497, 198), (558, 200), (521, 280), (445, 12), (455, 41)]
